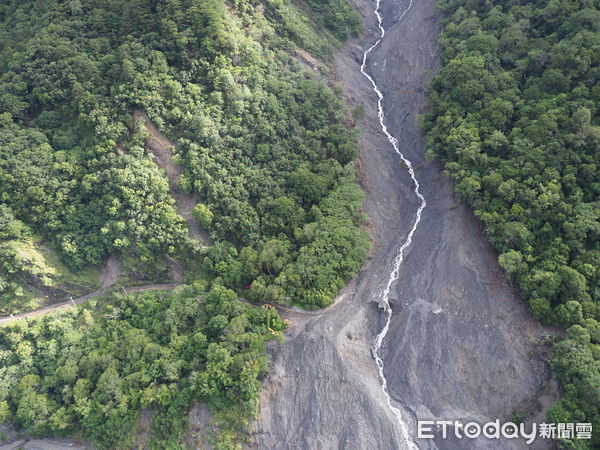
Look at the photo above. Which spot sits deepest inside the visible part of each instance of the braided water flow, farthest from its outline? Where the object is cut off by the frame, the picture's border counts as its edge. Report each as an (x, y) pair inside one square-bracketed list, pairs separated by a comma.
[(400, 256)]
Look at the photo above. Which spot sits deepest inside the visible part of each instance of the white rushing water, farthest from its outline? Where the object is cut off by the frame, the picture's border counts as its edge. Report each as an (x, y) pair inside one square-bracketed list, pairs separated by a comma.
[(400, 256)]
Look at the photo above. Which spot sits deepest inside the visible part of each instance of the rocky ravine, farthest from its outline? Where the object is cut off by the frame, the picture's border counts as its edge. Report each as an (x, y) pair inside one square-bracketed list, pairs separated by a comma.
[(459, 345)]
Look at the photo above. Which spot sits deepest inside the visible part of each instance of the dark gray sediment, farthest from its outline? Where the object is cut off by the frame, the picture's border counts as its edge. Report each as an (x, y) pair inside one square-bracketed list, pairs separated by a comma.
[(461, 345)]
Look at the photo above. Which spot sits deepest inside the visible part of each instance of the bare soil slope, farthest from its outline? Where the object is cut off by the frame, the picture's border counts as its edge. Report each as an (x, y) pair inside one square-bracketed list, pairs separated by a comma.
[(459, 346), (161, 147)]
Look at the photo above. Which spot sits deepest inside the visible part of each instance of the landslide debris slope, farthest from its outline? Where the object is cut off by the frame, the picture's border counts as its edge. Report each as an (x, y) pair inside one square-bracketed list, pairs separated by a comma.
[(461, 343)]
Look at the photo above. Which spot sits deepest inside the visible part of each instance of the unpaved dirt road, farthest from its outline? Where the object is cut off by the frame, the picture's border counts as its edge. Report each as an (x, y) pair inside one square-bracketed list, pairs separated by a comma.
[(55, 307), (459, 345)]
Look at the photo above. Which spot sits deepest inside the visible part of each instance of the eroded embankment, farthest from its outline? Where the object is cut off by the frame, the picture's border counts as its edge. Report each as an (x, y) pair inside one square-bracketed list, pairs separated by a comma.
[(385, 301), (161, 147), (459, 344)]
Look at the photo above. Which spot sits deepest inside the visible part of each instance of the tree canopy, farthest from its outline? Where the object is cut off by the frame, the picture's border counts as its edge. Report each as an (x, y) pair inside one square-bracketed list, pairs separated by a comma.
[(90, 371), (262, 142), (265, 148)]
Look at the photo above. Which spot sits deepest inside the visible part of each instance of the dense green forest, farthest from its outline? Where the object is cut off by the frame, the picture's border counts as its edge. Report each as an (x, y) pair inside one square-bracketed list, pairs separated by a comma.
[(263, 143), (24, 258), (515, 115), (90, 371)]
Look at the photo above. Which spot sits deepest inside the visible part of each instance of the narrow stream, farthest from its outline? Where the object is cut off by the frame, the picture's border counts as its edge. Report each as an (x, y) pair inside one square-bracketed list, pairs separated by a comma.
[(400, 256)]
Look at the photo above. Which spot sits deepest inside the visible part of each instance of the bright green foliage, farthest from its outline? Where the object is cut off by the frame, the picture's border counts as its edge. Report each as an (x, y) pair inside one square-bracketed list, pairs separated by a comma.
[(262, 142), (30, 272), (90, 371), (203, 214), (337, 16), (264, 146), (578, 369), (515, 116)]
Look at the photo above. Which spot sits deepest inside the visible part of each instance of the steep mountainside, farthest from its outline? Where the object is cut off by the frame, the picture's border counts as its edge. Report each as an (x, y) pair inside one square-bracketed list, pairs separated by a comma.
[(172, 140), (515, 115), (263, 146)]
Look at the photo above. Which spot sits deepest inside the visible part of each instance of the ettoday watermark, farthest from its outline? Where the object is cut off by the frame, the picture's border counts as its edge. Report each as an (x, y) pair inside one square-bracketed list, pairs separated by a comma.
[(429, 429)]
